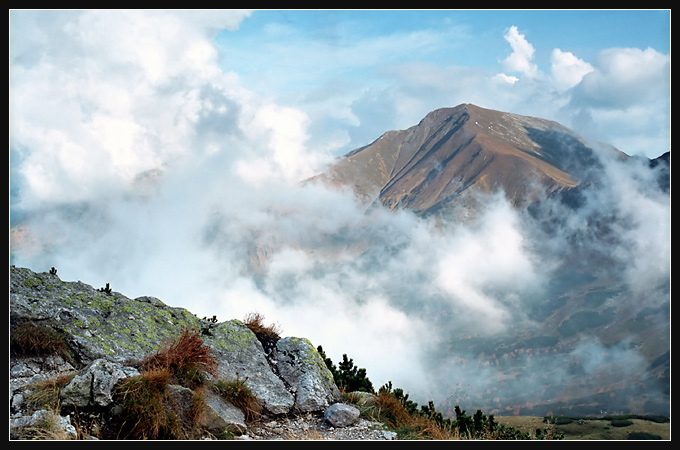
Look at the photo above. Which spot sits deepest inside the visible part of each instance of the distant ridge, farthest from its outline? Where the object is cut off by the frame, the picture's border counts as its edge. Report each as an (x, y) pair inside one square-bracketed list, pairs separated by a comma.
[(453, 150)]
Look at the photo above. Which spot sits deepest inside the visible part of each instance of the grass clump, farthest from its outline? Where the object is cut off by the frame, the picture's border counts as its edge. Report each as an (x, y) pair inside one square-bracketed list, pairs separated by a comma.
[(46, 428), (268, 335), (187, 360), (31, 339), (44, 394), (145, 406), (239, 394), (152, 409)]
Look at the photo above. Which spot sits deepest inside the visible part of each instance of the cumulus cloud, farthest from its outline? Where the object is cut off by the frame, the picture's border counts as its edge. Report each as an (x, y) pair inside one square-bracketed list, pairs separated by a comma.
[(485, 268), (135, 91), (626, 97), (521, 58), (568, 70), (623, 77)]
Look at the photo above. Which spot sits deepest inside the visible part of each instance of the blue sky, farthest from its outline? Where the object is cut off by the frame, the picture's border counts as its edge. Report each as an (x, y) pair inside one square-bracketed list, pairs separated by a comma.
[(374, 63), (584, 32)]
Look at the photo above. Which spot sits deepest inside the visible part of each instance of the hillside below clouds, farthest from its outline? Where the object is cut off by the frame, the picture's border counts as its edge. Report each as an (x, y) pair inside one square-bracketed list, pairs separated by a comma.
[(465, 148), (595, 336)]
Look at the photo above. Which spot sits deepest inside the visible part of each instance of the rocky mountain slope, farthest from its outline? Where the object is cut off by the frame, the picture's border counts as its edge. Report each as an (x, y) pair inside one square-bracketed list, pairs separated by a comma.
[(452, 150), (105, 335)]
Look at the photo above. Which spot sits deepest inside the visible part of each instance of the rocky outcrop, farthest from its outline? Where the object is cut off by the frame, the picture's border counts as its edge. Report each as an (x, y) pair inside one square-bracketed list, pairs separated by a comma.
[(106, 335)]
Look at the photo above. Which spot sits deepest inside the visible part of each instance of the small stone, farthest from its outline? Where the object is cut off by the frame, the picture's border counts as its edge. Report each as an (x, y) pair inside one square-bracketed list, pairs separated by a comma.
[(389, 435), (341, 415)]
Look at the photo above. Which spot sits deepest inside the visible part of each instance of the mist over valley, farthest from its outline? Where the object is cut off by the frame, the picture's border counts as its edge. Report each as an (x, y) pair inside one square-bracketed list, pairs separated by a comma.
[(507, 266)]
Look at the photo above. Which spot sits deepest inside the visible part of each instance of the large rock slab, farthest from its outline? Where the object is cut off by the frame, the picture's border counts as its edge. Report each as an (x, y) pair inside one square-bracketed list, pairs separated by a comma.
[(302, 367), (93, 386), (98, 324), (240, 356)]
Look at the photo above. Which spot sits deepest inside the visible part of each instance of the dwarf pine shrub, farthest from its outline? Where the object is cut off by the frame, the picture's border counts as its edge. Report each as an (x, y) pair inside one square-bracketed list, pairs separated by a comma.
[(347, 376)]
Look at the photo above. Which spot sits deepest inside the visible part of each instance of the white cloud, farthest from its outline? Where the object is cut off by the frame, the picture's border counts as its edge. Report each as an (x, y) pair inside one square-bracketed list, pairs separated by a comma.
[(117, 93), (521, 58), (568, 70), (483, 267), (284, 133), (625, 101), (509, 79), (625, 77)]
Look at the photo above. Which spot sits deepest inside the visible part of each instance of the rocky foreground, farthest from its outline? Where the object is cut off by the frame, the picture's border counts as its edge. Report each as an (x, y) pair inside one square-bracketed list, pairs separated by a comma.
[(105, 335)]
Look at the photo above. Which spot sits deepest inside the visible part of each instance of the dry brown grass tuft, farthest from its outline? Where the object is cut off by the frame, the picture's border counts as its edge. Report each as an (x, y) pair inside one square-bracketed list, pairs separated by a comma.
[(187, 359), (145, 414), (239, 394), (30, 339), (268, 335), (151, 409), (47, 429), (44, 394), (390, 411)]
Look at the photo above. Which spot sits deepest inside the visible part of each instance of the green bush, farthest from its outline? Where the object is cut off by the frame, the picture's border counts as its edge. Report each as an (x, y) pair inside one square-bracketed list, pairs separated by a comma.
[(621, 423), (347, 376), (643, 435)]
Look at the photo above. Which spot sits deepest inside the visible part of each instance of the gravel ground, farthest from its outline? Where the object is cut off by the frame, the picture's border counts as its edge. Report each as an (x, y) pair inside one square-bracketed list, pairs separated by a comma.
[(312, 427)]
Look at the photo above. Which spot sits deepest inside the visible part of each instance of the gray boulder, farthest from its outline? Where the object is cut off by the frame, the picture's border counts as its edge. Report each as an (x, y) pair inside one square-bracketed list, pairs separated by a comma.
[(222, 415), (341, 415), (240, 356), (93, 386), (302, 367)]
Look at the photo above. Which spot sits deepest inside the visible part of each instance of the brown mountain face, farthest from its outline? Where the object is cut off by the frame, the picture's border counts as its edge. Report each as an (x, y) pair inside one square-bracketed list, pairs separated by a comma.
[(453, 150)]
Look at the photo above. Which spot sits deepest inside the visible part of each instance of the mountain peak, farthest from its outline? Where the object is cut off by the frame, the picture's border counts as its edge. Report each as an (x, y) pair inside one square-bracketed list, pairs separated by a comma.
[(452, 150)]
